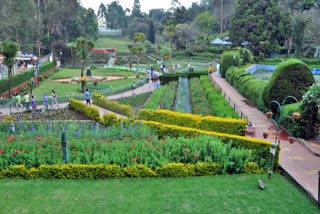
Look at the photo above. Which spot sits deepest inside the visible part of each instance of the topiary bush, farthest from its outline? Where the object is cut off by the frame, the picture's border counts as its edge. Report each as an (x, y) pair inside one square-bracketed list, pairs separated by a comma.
[(227, 61), (246, 55), (291, 78)]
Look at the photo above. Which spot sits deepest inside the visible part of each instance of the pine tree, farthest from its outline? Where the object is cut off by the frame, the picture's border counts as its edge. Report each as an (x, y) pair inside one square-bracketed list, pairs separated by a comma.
[(151, 36)]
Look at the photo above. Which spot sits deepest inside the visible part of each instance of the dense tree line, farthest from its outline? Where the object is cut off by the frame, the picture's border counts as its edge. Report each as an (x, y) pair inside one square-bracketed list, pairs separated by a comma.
[(39, 23)]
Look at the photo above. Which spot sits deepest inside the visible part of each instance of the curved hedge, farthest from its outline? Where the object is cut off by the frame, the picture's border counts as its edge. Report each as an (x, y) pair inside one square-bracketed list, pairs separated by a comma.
[(247, 85), (227, 61), (291, 78), (246, 55)]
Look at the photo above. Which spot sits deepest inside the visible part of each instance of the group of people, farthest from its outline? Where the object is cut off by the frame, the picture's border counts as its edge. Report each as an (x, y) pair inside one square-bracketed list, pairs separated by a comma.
[(26, 101)]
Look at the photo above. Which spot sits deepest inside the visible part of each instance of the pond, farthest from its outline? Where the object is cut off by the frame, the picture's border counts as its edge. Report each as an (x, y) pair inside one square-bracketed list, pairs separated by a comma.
[(264, 72)]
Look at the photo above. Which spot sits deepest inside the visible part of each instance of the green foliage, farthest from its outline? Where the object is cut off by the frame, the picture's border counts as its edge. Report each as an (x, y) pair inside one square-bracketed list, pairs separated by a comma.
[(134, 101), (169, 97), (208, 23), (220, 107), (199, 102), (109, 119), (25, 76), (113, 106), (247, 85), (291, 78), (253, 168), (175, 170), (168, 77), (246, 55), (88, 111), (265, 27), (155, 98), (229, 59), (222, 125)]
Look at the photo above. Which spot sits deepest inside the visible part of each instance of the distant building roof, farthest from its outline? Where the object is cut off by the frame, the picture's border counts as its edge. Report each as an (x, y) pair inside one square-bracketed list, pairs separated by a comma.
[(218, 41)]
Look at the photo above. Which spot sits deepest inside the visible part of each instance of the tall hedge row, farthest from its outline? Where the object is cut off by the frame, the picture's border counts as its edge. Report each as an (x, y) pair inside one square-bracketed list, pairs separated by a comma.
[(291, 78), (227, 61), (247, 85), (23, 77), (169, 77)]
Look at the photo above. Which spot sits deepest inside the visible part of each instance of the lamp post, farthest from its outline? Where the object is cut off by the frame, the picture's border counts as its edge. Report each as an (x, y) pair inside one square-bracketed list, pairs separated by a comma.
[(273, 147)]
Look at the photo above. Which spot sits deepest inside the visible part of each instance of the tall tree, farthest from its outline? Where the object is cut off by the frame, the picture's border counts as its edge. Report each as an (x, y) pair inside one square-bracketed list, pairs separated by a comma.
[(299, 27), (207, 23), (170, 29), (138, 48), (116, 16), (261, 23), (151, 34), (136, 10), (9, 51), (83, 46)]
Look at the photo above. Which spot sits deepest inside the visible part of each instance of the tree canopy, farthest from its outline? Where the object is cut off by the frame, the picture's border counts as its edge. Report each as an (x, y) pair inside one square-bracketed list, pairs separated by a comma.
[(260, 23)]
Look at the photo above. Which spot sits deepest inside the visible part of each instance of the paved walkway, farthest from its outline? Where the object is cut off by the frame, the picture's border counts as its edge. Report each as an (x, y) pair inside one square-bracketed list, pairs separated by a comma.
[(295, 159), (148, 87)]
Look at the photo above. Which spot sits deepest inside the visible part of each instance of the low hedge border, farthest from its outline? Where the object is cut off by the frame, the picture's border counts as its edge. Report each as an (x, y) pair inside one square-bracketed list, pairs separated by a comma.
[(169, 77), (113, 106), (207, 123), (163, 130), (88, 111), (101, 171)]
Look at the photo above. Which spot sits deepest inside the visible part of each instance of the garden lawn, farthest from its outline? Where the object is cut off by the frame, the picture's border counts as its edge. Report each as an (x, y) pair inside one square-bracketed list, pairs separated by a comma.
[(214, 194), (70, 72), (65, 91), (113, 42)]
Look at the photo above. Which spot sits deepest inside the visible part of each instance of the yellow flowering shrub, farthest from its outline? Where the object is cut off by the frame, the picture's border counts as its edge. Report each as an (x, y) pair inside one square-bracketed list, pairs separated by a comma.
[(88, 111), (207, 123)]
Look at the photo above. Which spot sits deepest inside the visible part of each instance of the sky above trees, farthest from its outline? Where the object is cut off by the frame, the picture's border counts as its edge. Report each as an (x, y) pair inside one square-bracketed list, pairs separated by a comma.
[(146, 5)]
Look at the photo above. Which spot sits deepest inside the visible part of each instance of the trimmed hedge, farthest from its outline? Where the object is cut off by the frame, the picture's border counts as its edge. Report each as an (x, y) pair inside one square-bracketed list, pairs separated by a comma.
[(247, 85), (168, 77), (291, 78), (88, 111), (163, 130), (246, 55), (101, 171), (25, 76), (227, 61), (113, 106), (222, 125)]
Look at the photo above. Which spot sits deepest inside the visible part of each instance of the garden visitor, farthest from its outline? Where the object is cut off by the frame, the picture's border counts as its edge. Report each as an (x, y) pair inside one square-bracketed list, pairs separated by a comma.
[(152, 77), (130, 66), (134, 85), (34, 104), (142, 81), (173, 68), (210, 68), (54, 98), (45, 101), (218, 70), (18, 101), (87, 95), (26, 100), (191, 69)]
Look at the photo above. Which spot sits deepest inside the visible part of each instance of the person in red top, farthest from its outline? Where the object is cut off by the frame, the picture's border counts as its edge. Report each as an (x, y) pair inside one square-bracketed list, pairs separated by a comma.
[(130, 66)]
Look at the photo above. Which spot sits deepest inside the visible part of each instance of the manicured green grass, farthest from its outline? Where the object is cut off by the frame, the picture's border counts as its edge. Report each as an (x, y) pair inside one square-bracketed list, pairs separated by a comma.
[(69, 73), (216, 194), (113, 42)]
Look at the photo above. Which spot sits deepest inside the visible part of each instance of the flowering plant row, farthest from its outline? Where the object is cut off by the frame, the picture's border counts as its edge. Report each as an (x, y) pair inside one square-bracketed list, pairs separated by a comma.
[(169, 98), (121, 144), (54, 115), (219, 105), (155, 98), (183, 96), (199, 102)]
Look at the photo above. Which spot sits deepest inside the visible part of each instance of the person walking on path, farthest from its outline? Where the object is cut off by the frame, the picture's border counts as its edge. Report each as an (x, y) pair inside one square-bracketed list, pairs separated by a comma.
[(18, 101), (54, 98), (26, 100), (45, 101), (87, 95), (34, 104), (130, 66), (218, 70), (210, 69)]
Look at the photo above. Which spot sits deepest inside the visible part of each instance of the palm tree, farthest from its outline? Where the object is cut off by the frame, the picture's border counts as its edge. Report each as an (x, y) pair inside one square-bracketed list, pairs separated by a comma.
[(171, 28), (9, 51), (83, 46), (138, 48), (72, 46)]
